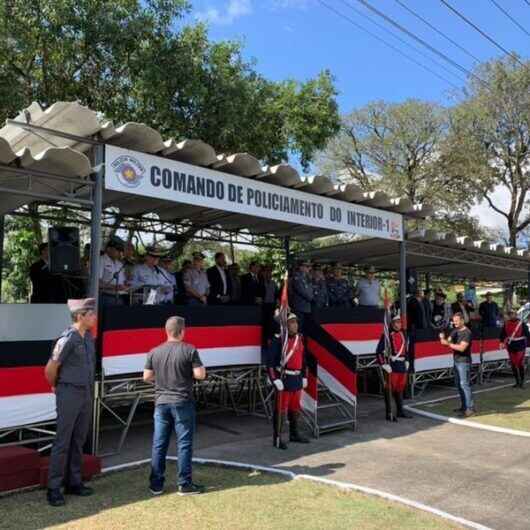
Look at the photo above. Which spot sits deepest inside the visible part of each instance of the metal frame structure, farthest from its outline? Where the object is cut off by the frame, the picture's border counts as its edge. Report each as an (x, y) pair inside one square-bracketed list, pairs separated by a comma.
[(230, 385), (225, 388)]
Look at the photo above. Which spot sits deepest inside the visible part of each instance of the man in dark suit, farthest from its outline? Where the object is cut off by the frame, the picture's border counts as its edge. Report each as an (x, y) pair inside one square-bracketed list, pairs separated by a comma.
[(251, 291), (219, 281), (42, 282)]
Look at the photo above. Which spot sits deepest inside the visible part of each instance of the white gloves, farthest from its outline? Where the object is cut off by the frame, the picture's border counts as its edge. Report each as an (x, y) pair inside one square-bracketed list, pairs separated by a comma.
[(304, 382), (394, 358), (387, 368), (407, 364), (278, 383)]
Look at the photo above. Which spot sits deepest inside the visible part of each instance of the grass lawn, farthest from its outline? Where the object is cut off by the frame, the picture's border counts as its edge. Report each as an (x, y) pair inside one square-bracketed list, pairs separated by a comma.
[(234, 500), (507, 407)]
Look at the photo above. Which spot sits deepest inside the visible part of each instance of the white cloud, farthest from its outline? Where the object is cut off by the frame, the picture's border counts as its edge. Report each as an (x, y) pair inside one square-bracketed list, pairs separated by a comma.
[(487, 216), (233, 10)]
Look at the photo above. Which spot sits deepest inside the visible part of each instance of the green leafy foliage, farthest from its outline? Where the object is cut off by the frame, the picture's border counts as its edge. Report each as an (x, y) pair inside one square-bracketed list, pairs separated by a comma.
[(20, 251), (135, 61)]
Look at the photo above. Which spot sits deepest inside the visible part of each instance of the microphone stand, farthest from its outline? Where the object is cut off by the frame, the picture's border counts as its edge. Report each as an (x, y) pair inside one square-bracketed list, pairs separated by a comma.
[(117, 279)]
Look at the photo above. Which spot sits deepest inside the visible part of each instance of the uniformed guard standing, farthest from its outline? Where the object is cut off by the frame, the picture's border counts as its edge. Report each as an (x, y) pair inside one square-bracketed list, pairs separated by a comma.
[(70, 372), (340, 290), (302, 294), (514, 337), (397, 367), (320, 289), (289, 380)]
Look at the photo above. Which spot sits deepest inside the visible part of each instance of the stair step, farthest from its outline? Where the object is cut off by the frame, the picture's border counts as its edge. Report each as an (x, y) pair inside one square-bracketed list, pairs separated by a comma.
[(329, 405), (336, 424)]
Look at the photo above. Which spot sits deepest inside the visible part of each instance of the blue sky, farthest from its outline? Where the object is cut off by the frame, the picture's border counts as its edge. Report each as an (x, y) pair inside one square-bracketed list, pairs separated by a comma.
[(298, 38)]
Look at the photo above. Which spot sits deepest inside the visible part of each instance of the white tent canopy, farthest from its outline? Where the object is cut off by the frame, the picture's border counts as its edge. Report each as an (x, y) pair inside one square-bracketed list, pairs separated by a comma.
[(25, 152)]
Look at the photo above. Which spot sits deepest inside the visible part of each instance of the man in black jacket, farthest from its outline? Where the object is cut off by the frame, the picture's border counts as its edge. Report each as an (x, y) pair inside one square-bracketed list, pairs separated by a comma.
[(251, 290), (219, 281), (46, 288)]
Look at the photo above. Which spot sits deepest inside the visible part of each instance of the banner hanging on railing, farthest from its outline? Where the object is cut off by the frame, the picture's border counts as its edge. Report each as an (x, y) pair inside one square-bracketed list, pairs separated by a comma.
[(161, 178)]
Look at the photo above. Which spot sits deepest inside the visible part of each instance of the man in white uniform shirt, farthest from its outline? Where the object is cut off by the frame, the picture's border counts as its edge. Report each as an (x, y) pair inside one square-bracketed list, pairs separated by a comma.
[(112, 280), (368, 290), (148, 273), (196, 282)]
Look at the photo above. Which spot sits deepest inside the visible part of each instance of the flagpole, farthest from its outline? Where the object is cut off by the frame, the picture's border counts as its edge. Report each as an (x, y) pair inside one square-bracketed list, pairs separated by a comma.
[(284, 336), (388, 353)]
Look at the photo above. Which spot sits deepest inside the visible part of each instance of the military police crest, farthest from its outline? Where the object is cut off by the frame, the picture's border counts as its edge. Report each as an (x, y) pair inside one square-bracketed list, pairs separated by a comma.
[(128, 170)]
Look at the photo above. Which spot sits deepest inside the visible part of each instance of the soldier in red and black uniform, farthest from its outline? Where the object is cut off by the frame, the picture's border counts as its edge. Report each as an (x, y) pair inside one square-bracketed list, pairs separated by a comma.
[(396, 367), (514, 336), (289, 381)]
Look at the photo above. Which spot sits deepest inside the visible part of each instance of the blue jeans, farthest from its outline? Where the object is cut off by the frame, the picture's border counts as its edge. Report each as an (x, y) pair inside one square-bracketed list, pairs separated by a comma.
[(463, 383), (181, 418)]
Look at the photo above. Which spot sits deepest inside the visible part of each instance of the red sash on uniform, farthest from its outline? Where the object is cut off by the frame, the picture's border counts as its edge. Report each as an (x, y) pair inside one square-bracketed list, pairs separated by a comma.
[(295, 353), (398, 344)]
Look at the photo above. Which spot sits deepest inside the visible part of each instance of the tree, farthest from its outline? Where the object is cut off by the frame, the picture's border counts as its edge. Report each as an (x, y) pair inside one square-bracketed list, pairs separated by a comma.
[(489, 141), (397, 148), (133, 60), (21, 250)]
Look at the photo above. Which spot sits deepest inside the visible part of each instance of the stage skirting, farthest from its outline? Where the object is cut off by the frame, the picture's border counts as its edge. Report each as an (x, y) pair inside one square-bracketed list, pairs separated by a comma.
[(224, 336), (27, 334)]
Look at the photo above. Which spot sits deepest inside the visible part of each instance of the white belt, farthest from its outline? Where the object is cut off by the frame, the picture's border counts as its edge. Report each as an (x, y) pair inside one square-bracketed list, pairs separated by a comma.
[(292, 372)]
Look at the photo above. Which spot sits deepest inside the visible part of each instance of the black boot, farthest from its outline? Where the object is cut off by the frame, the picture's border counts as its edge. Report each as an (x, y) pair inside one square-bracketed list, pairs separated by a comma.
[(294, 429), (55, 497), (278, 440), (399, 404), (515, 372), (388, 408)]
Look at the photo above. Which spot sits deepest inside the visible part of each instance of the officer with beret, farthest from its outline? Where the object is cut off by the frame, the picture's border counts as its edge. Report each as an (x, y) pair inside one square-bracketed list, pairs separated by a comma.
[(70, 372)]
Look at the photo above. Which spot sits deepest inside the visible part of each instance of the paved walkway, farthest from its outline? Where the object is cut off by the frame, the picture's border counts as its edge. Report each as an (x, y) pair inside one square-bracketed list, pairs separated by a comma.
[(481, 476)]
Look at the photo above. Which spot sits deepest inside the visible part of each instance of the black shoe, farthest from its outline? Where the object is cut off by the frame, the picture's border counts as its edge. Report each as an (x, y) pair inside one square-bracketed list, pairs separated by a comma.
[(280, 445), (190, 489), (155, 491), (298, 439), (391, 417), (81, 490), (55, 498)]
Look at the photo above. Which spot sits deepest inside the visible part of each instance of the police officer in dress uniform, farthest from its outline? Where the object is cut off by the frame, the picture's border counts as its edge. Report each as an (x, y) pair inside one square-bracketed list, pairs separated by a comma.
[(397, 369), (70, 372), (514, 337), (288, 381), (302, 293), (196, 283), (340, 290), (112, 278), (148, 274), (320, 289)]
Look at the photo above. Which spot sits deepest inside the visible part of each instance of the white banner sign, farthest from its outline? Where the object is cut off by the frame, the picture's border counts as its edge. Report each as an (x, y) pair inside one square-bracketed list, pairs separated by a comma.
[(160, 178)]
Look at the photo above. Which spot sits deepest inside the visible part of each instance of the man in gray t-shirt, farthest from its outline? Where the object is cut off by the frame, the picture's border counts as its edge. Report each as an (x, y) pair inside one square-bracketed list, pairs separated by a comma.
[(173, 367)]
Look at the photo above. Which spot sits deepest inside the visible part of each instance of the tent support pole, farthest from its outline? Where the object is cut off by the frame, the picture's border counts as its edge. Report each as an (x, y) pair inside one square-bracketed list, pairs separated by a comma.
[(2, 226), (403, 276), (95, 218), (287, 250)]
